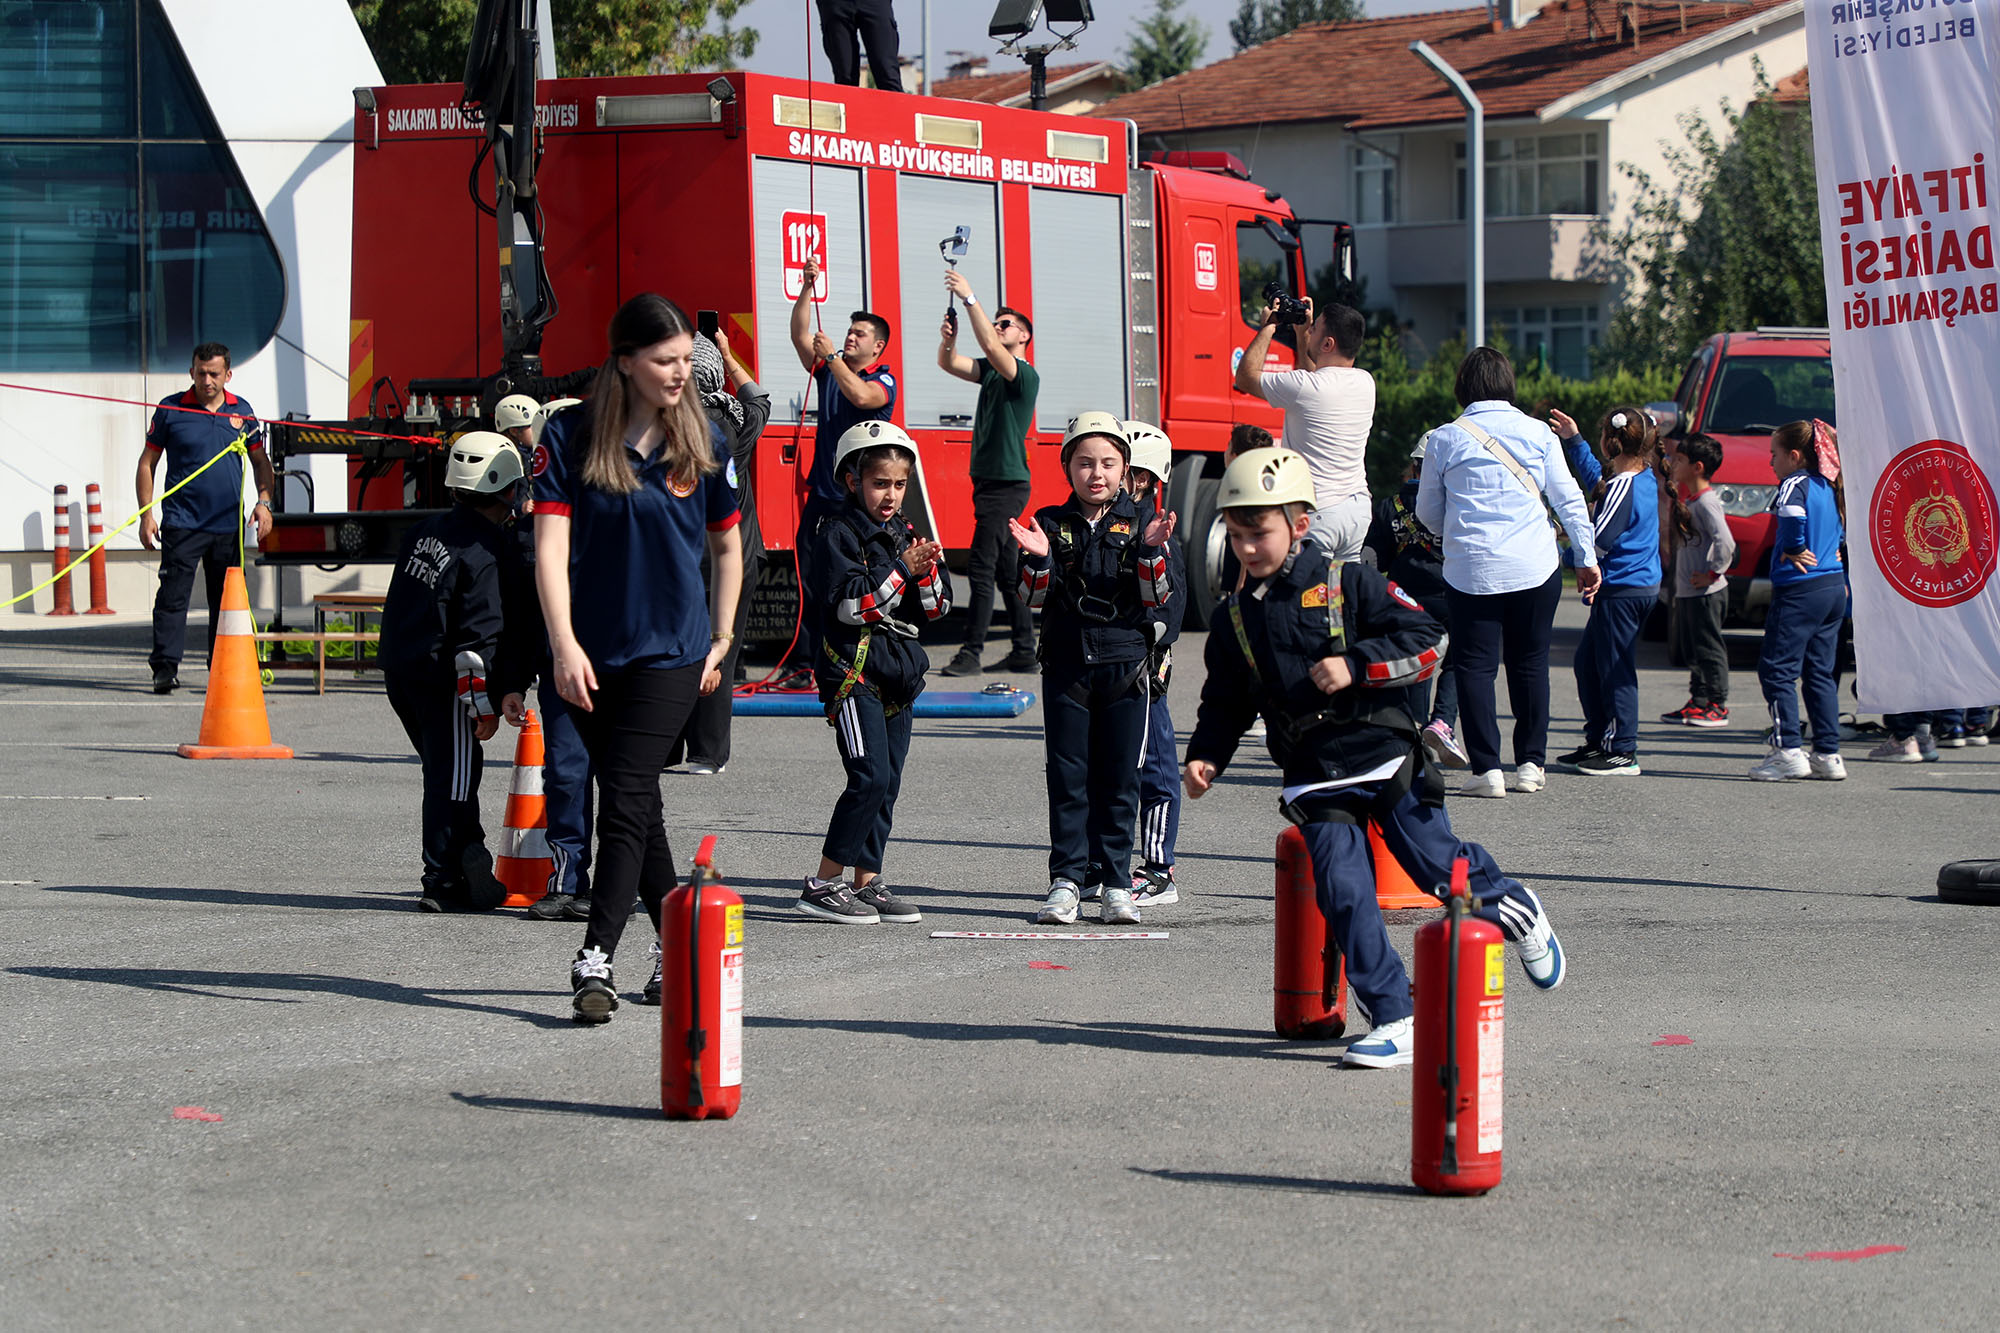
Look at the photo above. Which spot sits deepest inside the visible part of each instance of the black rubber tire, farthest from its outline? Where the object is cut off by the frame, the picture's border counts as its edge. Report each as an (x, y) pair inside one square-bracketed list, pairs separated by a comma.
[(1204, 546), (1970, 883)]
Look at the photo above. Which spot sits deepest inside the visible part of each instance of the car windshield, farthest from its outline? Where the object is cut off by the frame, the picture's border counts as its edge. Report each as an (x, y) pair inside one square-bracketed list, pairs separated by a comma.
[(1757, 394)]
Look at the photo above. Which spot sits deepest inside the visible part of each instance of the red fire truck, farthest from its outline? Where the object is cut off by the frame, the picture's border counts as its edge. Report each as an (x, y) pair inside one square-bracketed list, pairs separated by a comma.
[(714, 190)]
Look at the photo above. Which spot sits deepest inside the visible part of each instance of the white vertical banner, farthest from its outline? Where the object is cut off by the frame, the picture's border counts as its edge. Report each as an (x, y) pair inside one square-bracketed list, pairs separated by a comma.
[(1906, 134)]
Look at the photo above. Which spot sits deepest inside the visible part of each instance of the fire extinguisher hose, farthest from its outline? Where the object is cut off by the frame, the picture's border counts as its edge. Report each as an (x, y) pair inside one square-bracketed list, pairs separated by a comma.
[(1448, 1075), (697, 1038)]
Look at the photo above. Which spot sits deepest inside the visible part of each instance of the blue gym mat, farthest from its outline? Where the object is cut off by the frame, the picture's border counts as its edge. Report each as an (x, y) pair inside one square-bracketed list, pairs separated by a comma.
[(931, 703)]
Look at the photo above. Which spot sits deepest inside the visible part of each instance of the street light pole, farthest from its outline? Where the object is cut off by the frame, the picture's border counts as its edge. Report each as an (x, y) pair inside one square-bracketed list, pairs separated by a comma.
[(1475, 193), (927, 48)]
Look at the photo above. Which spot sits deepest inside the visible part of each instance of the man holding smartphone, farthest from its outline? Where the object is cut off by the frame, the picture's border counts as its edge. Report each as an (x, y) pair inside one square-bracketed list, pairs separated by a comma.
[(1000, 425)]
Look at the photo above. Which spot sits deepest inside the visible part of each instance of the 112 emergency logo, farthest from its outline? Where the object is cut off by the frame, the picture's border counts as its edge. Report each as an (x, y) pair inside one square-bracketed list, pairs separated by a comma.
[(1932, 525)]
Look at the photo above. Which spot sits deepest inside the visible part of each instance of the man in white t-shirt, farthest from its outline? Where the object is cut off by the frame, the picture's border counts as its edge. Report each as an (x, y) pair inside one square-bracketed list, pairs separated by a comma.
[(1329, 405)]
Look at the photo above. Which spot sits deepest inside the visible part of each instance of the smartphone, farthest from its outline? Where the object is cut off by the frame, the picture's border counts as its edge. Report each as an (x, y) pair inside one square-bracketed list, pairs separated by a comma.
[(709, 322)]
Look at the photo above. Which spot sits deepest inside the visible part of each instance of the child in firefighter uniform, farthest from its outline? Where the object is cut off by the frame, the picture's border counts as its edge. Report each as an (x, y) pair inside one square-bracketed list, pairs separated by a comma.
[(867, 563), (450, 649), (1326, 650), (1097, 563), (1153, 883)]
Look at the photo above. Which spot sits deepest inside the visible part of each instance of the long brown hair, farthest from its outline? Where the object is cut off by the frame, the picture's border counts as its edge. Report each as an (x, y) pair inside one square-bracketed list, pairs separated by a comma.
[(646, 319), (1629, 432), (1801, 438)]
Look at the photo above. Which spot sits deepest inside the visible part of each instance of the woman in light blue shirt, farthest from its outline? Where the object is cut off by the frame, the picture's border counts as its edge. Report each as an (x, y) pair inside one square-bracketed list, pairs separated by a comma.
[(1489, 481)]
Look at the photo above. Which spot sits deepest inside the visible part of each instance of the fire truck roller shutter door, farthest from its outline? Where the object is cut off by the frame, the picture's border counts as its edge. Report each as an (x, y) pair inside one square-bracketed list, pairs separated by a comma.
[(779, 188), (927, 208), (1078, 244)]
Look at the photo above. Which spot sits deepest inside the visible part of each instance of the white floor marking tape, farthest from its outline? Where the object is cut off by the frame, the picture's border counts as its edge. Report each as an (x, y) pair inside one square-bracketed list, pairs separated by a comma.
[(1048, 935), (101, 703), (75, 798), (18, 882)]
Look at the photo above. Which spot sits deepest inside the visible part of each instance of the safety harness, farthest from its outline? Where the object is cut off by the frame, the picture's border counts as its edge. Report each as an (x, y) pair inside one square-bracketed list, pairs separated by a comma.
[(851, 671)]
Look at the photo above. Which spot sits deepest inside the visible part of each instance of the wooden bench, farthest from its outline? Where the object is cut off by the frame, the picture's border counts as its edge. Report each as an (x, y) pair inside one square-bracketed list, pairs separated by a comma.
[(319, 639)]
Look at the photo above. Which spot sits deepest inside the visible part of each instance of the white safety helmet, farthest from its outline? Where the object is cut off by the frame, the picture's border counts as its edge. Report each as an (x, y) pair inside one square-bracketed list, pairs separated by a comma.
[(1263, 477), (1423, 441), (871, 435), (482, 462), (1095, 423), (1151, 449), (547, 410), (514, 411)]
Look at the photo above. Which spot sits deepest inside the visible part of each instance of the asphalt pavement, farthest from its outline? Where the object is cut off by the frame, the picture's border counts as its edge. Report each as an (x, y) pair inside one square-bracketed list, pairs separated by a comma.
[(245, 1083)]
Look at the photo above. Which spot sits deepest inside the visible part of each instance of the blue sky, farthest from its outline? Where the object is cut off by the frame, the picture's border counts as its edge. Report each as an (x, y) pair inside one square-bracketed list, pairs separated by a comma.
[(960, 25)]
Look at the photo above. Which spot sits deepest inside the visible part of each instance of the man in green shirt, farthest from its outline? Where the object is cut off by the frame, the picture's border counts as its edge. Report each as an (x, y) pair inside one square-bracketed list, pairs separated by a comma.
[(1000, 426)]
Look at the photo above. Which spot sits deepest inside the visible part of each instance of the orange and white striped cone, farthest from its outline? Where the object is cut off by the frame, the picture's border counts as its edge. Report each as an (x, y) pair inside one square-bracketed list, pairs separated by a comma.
[(1394, 889), (100, 599), (64, 606), (524, 863), (234, 724)]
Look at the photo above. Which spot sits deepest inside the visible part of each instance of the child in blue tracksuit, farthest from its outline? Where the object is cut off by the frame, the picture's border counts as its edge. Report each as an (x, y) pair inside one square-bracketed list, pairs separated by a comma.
[(1326, 650), (1153, 884), (1627, 519), (1808, 603), (868, 561), (1098, 564)]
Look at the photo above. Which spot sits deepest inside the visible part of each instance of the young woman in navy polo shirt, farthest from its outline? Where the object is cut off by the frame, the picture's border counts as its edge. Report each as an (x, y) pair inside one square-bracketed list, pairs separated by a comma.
[(627, 488)]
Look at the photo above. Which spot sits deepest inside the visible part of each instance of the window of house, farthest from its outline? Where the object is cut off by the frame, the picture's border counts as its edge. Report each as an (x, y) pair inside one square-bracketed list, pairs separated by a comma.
[(127, 233), (1374, 184), (1560, 335), (1531, 176)]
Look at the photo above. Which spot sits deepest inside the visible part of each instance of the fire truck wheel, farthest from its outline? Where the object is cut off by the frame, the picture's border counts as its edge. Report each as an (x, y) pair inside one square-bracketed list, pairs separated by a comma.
[(1207, 549), (1973, 883)]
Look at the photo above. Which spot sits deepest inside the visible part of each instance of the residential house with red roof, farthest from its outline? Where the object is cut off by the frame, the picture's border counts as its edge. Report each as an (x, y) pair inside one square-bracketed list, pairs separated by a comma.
[(1349, 124), (1073, 90)]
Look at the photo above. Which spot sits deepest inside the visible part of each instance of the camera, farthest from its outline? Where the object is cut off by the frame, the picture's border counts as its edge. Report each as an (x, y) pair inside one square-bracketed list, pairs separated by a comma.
[(1288, 309)]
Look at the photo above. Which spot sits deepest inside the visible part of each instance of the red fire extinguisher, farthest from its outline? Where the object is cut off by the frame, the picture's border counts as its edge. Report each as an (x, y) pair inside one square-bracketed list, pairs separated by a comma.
[(1455, 1094), (701, 1003), (1308, 974)]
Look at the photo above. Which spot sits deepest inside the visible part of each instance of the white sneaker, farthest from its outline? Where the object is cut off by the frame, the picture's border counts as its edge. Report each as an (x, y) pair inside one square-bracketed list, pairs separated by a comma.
[(1490, 783), (1827, 767), (1529, 777), (1118, 909), (1385, 1047), (1780, 765), (1893, 751), (1534, 938), (1060, 909)]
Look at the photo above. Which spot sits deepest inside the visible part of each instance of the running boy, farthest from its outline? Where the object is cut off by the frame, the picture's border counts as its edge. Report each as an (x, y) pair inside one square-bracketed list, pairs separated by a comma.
[(870, 670), (445, 621), (1326, 649), (1701, 586), (1159, 778), (1098, 564)]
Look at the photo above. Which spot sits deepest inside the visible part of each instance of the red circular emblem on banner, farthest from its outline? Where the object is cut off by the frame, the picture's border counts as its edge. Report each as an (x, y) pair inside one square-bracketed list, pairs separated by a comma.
[(541, 459), (1931, 524)]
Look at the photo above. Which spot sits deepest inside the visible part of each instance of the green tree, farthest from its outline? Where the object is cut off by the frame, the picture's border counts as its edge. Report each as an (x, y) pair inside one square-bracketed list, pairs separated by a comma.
[(1258, 21), (1730, 241), (425, 41), (1164, 45)]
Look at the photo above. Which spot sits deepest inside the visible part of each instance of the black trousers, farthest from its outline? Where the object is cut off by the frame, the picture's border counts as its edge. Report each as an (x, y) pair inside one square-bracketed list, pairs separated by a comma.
[(1093, 745), (635, 717), (994, 565), (872, 750), (181, 549), (706, 737), (426, 702), (1485, 631), (1698, 633), (874, 22)]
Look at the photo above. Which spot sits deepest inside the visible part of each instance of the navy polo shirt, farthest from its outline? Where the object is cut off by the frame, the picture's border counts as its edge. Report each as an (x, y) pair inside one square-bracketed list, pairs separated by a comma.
[(636, 597), (190, 438), (836, 414)]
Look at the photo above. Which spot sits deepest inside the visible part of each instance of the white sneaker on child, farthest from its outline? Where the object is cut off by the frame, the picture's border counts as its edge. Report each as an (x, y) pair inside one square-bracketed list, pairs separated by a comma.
[(1529, 777), (1827, 767), (1782, 764)]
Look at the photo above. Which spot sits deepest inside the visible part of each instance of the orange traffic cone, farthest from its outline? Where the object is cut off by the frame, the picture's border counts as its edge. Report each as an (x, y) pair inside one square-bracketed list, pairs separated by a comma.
[(1394, 889), (233, 722), (524, 864)]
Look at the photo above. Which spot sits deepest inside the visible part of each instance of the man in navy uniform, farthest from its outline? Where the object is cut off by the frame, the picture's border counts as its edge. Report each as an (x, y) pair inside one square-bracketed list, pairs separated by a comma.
[(202, 524)]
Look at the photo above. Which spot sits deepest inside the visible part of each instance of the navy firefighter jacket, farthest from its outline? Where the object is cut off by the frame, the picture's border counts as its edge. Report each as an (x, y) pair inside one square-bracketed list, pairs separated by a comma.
[(862, 581), (1102, 587), (1289, 621), (460, 585)]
